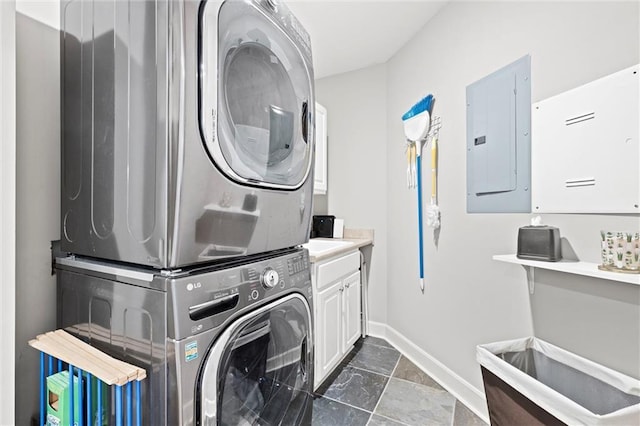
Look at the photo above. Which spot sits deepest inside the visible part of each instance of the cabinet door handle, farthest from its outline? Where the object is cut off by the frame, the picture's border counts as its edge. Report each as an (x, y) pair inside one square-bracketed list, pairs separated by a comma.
[(342, 288)]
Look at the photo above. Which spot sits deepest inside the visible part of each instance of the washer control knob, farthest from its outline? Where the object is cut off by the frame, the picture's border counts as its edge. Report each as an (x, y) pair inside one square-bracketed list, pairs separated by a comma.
[(270, 277)]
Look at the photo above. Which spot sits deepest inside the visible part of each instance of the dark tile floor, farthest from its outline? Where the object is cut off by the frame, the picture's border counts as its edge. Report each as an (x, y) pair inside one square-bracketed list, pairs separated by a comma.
[(376, 385)]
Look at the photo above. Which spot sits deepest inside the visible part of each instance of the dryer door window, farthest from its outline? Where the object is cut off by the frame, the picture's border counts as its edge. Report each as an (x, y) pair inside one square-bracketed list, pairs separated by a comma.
[(256, 96), (258, 371)]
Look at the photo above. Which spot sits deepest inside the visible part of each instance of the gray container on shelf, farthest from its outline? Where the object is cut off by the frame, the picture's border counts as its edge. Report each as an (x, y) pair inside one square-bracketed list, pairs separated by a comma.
[(539, 243)]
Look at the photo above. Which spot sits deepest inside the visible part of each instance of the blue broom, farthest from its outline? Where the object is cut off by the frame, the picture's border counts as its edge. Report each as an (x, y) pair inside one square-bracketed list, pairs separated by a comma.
[(416, 127)]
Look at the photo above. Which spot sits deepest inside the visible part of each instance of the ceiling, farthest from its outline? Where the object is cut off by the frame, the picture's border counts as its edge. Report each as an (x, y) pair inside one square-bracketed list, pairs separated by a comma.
[(345, 34), (351, 34)]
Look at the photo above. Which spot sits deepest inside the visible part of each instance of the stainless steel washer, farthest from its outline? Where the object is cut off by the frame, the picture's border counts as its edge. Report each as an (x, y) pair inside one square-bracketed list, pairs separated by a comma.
[(229, 345)]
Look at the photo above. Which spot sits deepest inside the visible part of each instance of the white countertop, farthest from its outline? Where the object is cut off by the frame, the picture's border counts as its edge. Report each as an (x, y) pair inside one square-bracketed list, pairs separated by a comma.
[(357, 238)]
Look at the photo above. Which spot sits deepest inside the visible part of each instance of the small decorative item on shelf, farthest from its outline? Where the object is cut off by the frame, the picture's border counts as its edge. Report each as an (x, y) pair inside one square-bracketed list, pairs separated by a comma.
[(620, 252)]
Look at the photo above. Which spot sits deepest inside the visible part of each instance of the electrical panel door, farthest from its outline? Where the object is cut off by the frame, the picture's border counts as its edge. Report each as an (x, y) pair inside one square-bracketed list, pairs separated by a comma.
[(498, 141)]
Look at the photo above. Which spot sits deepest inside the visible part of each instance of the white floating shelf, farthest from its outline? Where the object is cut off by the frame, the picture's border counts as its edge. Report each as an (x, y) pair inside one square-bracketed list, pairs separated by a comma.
[(572, 267)]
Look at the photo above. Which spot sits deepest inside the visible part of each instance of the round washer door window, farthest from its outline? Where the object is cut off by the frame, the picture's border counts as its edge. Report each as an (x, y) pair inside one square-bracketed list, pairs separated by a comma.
[(259, 370), (256, 101)]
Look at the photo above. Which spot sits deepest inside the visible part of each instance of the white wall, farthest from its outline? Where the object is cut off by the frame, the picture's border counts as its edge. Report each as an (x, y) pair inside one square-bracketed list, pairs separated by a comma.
[(595, 318), (357, 186), (38, 193), (469, 298), (46, 12), (7, 211)]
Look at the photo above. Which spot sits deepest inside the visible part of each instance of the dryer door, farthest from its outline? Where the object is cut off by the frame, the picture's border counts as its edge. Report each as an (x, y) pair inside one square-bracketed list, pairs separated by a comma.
[(256, 96), (260, 370)]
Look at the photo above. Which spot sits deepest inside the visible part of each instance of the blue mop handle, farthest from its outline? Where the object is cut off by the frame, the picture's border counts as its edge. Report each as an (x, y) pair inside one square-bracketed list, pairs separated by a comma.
[(419, 189)]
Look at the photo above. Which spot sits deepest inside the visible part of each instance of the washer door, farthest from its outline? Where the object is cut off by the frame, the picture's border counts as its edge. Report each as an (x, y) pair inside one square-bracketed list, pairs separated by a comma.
[(255, 95), (259, 371)]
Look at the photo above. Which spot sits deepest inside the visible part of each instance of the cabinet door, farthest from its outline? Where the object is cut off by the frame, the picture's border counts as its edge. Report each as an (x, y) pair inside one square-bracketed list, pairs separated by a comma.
[(320, 176), (351, 298), (328, 330)]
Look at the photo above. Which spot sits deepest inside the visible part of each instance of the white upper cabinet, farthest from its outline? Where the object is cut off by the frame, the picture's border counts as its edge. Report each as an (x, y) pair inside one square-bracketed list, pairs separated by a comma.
[(320, 176)]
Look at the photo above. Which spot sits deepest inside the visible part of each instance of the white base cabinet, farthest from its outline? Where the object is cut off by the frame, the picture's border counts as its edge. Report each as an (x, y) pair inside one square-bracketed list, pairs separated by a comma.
[(351, 298), (336, 286), (328, 338)]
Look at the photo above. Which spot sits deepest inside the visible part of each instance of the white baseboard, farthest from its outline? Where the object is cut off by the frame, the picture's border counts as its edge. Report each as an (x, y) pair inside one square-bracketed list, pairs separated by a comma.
[(378, 329), (462, 390)]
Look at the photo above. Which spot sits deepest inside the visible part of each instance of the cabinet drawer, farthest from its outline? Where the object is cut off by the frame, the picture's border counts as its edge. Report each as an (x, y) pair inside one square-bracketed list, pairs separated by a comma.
[(334, 269)]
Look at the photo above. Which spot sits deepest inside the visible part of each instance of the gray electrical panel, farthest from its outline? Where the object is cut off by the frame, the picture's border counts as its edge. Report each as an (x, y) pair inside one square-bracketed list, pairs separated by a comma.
[(499, 141)]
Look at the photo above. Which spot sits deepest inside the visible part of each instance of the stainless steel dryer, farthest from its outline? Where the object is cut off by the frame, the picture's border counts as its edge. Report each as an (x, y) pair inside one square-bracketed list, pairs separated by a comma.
[(187, 130), (226, 345)]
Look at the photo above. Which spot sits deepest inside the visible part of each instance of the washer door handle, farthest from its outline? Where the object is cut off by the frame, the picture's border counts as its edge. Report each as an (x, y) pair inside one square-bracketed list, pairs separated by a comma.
[(213, 307), (303, 358), (305, 121)]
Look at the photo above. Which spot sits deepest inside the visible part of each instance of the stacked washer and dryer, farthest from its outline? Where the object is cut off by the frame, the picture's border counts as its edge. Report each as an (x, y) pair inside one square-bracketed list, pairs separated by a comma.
[(187, 152)]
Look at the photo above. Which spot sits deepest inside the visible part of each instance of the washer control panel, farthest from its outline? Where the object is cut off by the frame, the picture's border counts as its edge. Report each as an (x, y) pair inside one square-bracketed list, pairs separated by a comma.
[(204, 299)]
